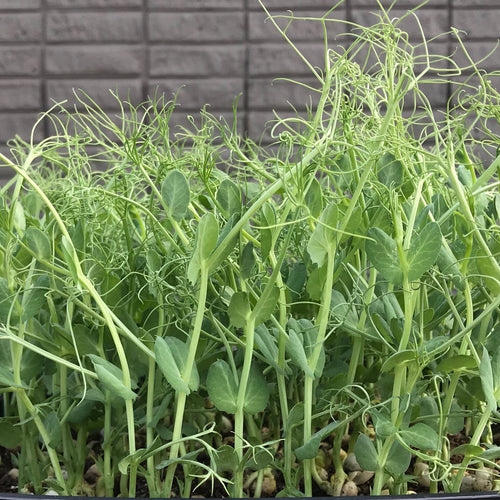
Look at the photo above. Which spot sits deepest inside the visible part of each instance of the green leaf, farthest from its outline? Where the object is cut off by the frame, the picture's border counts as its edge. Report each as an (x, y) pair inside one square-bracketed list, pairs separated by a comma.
[(390, 171), (175, 193), (53, 428), (38, 242), (365, 452), (423, 251), (266, 305), (398, 460), (34, 299), (448, 265), (229, 198), (111, 378), (266, 344), (383, 425), (10, 435), (169, 365), (322, 240), (247, 260), (257, 392), (206, 241), (458, 362), (383, 254), (314, 198), (420, 436), (259, 459), (221, 386), (467, 449), (239, 309), (487, 383), (310, 449), (6, 300), (398, 358), (295, 350), (224, 459), (296, 280)]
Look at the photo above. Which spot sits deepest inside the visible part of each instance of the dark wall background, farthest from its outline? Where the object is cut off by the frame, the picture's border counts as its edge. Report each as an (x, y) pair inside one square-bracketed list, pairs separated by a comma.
[(216, 48)]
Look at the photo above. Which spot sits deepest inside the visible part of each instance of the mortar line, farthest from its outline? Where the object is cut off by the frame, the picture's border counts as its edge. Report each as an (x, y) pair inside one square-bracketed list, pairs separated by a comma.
[(246, 68)]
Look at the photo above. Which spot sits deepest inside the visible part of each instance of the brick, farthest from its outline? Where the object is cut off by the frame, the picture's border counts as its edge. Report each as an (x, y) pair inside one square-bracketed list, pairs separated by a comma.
[(196, 27), (260, 124), (197, 5), (272, 5), (474, 3), (179, 118), (262, 28), (265, 95), (20, 124), (434, 22), (19, 4), (273, 59), (97, 90), (400, 3), (477, 23), (20, 60), (219, 93), (25, 27), (94, 27), (94, 3), (102, 60), (20, 94), (478, 51), (217, 60)]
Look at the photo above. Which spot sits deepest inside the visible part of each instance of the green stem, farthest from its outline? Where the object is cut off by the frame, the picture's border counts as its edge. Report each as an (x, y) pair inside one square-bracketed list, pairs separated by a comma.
[(239, 418), (186, 375)]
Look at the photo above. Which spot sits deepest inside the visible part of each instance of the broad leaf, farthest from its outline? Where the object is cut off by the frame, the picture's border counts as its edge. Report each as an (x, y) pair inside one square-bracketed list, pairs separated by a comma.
[(169, 366), (34, 299), (322, 240), (383, 254), (266, 305), (365, 452), (296, 352), (205, 243), (10, 435), (239, 309), (487, 383), (221, 386), (111, 378), (229, 198), (420, 436), (398, 460), (310, 449), (247, 260), (314, 198), (38, 242), (390, 171), (257, 392), (423, 251), (175, 194)]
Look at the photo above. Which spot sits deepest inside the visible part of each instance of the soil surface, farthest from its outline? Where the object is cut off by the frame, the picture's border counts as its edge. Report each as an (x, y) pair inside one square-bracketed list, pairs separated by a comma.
[(9, 484)]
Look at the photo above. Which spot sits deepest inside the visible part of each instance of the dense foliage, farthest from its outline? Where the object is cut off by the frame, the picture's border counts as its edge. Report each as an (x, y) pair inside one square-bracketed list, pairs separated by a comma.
[(219, 312)]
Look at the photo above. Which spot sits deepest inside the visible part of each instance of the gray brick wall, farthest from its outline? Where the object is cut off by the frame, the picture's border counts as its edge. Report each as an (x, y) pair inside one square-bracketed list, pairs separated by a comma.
[(213, 49)]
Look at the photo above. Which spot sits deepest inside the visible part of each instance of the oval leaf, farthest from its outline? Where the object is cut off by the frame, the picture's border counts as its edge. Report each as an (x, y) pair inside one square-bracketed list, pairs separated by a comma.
[(365, 452), (168, 365), (420, 436), (38, 242), (257, 392), (423, 251), (111, 378), (175, 194), (383, 254), (221, 386), (229, 198)]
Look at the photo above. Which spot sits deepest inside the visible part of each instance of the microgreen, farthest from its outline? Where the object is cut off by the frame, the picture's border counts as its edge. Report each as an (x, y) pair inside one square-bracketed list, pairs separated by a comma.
[(215, 309)]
